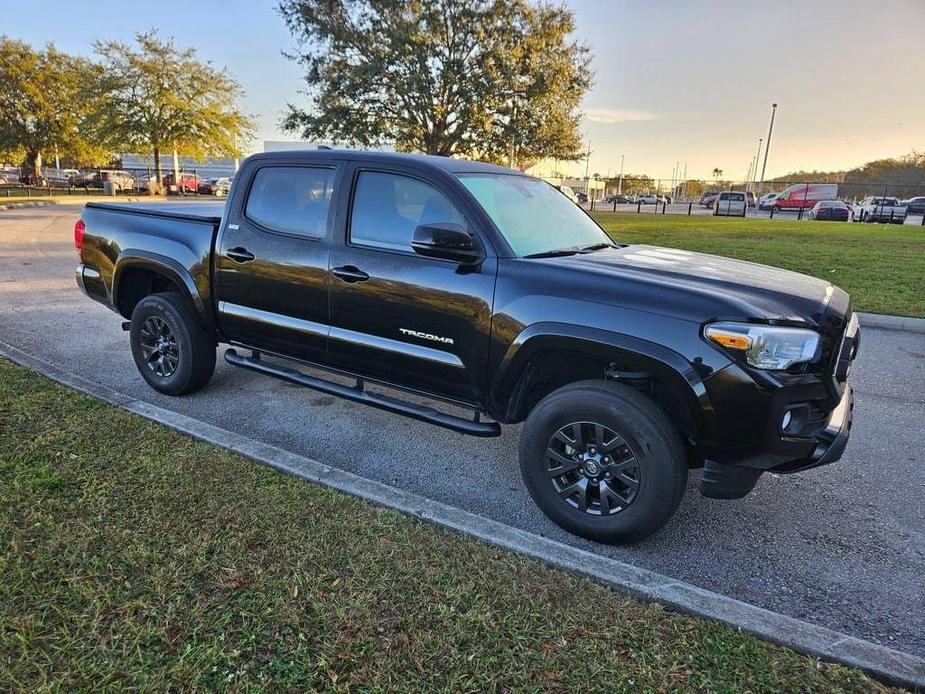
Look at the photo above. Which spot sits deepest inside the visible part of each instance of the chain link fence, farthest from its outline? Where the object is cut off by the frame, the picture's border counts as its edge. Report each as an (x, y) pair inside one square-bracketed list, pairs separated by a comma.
[(778, 199), (21, 182)]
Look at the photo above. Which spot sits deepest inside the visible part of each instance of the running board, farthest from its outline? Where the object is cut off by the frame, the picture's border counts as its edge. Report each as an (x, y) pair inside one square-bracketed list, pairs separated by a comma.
[(357, 393)]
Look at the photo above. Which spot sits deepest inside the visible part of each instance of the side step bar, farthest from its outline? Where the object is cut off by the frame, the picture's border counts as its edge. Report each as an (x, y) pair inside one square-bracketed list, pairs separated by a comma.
[(357, 393)]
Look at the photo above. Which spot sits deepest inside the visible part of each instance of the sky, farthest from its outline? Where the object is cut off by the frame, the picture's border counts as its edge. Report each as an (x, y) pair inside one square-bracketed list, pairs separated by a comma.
[(676, 81)]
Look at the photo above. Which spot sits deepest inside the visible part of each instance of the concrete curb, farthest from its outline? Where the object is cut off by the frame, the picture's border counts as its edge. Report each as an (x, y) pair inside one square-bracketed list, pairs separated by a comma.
[(885, 663), (28, 203), (880, 320)]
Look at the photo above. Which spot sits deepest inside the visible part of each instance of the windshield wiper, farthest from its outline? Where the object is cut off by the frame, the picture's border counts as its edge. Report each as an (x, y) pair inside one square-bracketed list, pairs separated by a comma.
[(596, 247), (555, 253)]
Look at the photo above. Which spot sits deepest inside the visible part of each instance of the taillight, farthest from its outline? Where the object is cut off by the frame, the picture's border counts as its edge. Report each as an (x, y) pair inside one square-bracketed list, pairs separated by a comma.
[(79, 229)]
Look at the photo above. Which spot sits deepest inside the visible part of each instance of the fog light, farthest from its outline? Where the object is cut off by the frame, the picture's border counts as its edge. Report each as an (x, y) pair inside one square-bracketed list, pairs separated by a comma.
[(786, 420)]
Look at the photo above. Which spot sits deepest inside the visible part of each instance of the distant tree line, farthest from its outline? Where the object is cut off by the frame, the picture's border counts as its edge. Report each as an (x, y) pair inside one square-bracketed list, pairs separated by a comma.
[(149, 96), (905, 170)]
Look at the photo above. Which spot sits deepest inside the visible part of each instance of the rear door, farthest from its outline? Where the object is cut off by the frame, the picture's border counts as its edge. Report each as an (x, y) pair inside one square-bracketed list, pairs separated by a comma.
[(422, 323), (271, 261)]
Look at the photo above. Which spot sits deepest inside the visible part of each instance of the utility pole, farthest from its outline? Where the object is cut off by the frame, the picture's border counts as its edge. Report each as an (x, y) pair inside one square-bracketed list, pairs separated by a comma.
[(176, 168), (757, 157), (620, 186), (767, 148), (587, 178)]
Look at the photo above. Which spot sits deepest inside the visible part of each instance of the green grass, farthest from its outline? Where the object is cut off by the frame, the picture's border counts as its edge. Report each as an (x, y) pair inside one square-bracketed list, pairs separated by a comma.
[(134, 557), (881, 266)]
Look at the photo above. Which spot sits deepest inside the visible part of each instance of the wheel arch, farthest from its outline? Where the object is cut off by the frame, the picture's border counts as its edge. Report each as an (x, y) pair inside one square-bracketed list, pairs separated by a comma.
[(547, 356), (138, 273)]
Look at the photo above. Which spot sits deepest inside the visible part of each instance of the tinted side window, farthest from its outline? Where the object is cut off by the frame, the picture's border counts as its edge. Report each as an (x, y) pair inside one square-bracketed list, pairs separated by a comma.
[(291, 199), (388, 207)]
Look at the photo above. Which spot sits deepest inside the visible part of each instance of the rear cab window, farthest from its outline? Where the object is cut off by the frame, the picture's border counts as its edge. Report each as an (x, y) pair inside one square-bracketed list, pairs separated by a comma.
[(291, 199)]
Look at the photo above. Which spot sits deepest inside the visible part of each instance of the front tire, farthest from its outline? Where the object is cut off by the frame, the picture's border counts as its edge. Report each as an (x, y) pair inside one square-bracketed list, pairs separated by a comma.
[(603, 461), (171, 351)]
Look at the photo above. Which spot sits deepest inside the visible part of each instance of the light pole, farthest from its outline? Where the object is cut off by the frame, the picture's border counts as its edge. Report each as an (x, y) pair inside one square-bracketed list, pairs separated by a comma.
[(587, 178), (757, 157), (767, 148), (620, 186)]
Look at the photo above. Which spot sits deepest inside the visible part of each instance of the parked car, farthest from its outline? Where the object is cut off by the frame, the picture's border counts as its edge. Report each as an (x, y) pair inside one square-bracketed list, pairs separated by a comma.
[(10, 175), (486, 288), (215, 186), (569, 193), (120, 180), (766, 201), (805, 195), (914, 205), (730, 203), (650, 199), (707, 199), (619, 199), (881, 210), (831, 210), (189, 182), (60, 178), (582, 197)]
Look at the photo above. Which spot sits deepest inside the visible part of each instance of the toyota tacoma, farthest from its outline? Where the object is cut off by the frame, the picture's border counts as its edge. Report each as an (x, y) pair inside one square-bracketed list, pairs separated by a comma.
[(485, 291)]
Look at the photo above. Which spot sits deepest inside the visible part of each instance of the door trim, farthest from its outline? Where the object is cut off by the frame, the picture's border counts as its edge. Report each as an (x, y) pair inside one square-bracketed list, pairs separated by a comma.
[(384, 344), (276, 320)]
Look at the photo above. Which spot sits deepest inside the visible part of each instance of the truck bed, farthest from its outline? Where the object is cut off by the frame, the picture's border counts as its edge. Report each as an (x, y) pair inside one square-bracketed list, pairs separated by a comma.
[(209, 212)]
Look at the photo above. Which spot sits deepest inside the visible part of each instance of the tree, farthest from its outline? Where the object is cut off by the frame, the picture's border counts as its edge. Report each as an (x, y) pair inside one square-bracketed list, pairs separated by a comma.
[(717, 172), (156, 96), (42, 104), (492, 79)]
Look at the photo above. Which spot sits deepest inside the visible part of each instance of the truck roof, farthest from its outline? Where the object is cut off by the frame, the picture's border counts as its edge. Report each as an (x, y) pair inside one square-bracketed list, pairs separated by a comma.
[(427, 160)]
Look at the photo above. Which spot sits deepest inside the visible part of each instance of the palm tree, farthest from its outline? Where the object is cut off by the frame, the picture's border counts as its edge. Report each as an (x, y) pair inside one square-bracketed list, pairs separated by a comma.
[(717, 173)]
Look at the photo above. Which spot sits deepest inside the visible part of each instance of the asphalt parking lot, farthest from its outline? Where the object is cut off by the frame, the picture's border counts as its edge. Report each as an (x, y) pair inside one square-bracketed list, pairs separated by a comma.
[(841, 546), (701, 211)]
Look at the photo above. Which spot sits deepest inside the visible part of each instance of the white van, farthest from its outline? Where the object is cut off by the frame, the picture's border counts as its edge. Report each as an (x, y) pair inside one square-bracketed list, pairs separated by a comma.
[(730, 203)]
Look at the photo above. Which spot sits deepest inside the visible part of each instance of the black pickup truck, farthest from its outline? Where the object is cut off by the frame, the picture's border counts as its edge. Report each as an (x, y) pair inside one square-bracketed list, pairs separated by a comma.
[(490, 291)]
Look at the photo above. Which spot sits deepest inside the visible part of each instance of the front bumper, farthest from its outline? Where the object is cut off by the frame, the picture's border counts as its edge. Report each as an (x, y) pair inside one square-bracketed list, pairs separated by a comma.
[(801, 429), (729, 481)]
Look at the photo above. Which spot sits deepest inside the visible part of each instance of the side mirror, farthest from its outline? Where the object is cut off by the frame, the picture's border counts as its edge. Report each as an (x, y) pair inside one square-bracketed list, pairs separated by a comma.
[(446, 241)]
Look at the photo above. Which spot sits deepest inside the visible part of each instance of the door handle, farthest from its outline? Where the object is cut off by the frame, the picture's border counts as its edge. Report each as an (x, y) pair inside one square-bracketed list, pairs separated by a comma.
[(240, 255), (350, 273)]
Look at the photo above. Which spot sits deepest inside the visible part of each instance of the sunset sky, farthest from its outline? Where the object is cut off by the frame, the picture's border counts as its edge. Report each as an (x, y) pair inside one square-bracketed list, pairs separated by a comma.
[(675, 81)]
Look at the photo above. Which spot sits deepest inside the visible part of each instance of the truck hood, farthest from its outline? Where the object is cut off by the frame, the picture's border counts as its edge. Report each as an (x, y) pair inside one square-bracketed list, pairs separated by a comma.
[(722, 286)]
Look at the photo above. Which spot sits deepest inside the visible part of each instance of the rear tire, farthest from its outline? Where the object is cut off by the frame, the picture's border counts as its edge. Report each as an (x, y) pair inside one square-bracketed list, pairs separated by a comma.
[(171, 351), (621, 488)]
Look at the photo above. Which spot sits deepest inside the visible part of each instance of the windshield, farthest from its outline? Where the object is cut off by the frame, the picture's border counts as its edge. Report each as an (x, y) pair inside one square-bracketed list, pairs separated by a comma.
[(533, 216)]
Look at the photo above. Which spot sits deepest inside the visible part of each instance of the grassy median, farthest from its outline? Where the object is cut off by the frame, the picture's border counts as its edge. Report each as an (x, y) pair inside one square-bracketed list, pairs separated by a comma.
[(134, 557), (882, 266)]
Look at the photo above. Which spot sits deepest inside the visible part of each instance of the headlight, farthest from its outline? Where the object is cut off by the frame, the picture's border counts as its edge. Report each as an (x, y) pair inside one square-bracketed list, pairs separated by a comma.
[(766, 346)]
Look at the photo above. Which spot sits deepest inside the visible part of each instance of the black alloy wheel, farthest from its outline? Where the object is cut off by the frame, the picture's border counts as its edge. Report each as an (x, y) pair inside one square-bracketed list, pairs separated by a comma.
[(159, 346), (593, 468)]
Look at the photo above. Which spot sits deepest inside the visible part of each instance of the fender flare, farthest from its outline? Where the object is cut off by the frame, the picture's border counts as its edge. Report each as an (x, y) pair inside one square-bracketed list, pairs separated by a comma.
[(662, 363), (168, 267)]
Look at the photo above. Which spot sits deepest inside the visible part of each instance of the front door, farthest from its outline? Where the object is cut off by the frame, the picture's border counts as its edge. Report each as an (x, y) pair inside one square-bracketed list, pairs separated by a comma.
[(272, 261), (418, 322)]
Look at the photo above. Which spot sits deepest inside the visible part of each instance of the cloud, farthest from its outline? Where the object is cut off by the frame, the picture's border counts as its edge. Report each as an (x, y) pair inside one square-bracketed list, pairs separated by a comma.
[(617, 115)]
